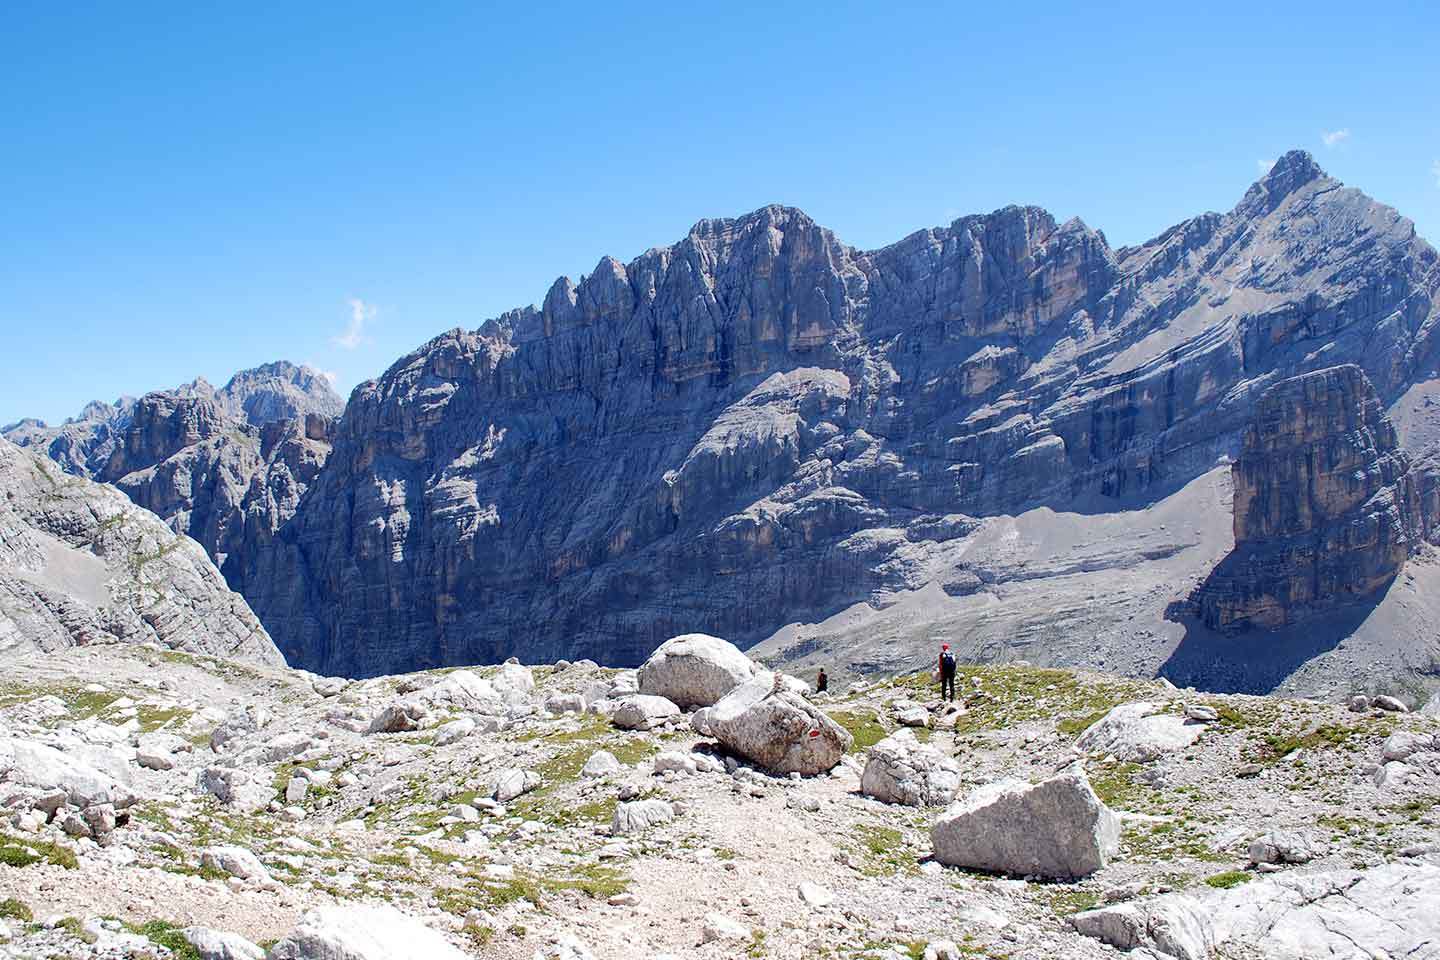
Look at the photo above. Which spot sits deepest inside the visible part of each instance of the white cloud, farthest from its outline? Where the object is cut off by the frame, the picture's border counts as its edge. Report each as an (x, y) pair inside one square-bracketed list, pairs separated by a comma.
[(1264, 165), (361, 313), (1333, 138)]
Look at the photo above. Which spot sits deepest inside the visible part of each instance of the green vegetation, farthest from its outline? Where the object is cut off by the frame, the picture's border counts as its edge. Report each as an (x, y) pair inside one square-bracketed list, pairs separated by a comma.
[(76, 929), (13, 909), (167, 935), (24, 851), (882, 851), (1228, 879), (482, 892), (1328, 736), (1073, 900), (864, 727)]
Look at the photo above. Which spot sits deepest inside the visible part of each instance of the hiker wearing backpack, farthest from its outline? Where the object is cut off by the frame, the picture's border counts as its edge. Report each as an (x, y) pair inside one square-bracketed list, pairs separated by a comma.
[(947, 672)]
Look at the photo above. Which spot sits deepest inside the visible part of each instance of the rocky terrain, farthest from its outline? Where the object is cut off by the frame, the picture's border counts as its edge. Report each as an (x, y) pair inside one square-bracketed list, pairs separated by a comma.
[(1003, 430), (80, 564), (163, 804)]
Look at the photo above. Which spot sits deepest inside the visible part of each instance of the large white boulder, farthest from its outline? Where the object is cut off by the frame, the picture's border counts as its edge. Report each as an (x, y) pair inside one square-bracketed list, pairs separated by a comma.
[(900, 769), (1057, 828), (513, 782), (372, 931), (214, 944), (763, 722), (33, 764), (643, 712), (695, 670), (1139, 733)]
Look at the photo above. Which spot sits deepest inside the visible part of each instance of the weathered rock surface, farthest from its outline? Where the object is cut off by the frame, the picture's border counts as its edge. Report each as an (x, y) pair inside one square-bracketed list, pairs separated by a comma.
[(1387, 911), (32, 764), (81, 564), (1056, 828), (774, 426), (643, 712), (363, 932), (779, 730), (694, 670), (1139, 733), (900, 769)]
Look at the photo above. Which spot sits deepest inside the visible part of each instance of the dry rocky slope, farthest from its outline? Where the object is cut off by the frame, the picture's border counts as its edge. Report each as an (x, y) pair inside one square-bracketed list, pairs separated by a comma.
[(155, 803), (81, 564), (1003, 430)]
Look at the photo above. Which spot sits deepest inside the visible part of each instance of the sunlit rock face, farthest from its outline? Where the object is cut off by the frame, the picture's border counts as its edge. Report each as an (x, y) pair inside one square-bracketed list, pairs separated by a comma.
[(760, 424)]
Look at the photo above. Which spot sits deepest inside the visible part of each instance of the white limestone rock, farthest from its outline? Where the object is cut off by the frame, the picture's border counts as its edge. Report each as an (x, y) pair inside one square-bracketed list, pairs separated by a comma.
[(900, 769), (694, 670), (372, 931), (643, 712), (1139, 733), (776, 729), (1057, 828)]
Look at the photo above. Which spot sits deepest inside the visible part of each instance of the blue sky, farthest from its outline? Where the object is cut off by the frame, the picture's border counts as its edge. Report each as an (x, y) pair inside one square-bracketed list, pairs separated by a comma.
[(188, 192)]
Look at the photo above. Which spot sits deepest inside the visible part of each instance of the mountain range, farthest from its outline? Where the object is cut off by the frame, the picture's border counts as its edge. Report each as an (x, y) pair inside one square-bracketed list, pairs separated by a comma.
[(1003, 432)]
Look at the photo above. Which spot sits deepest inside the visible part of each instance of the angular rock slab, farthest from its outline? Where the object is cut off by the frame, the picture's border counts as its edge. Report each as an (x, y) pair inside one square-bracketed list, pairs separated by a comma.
[(1138, 733), (695, 670), (781, 731), (1057, 828), (369, 932)]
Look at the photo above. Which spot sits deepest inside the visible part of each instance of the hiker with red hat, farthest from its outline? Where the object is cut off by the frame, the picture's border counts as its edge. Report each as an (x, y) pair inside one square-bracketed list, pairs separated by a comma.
[(947, 672)]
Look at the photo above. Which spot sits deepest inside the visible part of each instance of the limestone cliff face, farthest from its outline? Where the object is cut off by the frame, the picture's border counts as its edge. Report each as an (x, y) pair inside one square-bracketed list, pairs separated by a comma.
[(1327, 509), (760, 424), (81, 564), (217, 465)]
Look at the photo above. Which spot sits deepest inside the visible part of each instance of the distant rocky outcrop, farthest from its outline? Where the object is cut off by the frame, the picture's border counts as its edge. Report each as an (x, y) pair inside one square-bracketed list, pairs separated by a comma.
[(1327, 509), (81, 564), (105, 438), (221, 466), (760, 425)]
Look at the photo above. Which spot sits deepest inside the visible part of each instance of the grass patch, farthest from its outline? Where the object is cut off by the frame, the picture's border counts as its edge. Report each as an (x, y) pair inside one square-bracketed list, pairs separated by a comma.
[(1329, 736), (1228, 879), (1074, 726), (864, 727), (1067, 901), (882, 851), (167, 935), (23, 852), (12, 909)]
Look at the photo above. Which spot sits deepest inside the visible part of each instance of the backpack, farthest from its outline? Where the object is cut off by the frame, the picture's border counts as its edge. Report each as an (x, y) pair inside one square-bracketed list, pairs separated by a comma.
[(947, 663)]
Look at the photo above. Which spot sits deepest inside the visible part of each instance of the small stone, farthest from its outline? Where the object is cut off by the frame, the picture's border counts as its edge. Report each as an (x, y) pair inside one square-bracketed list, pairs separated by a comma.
[(815, 895)]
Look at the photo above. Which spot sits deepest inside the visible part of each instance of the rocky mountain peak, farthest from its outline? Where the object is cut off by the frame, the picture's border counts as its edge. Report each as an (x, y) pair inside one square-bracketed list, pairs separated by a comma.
[(1289, 174)]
